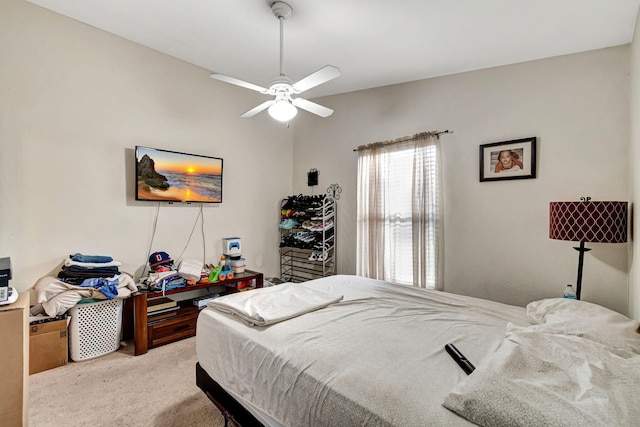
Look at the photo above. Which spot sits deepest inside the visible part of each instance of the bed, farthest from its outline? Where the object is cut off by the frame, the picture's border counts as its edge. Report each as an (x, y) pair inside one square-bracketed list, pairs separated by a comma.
[(347, 350)]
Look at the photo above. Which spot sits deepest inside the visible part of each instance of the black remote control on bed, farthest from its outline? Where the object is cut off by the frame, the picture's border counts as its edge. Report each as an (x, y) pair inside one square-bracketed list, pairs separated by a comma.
[(462, 361)]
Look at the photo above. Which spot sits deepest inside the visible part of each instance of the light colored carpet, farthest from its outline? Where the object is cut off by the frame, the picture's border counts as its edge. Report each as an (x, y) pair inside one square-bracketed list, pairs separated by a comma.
[(118, 389)]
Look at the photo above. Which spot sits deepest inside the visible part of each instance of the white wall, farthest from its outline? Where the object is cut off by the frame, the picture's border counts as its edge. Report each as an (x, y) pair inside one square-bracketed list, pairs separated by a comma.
[(634, 190), (496, 233), (74, 102)]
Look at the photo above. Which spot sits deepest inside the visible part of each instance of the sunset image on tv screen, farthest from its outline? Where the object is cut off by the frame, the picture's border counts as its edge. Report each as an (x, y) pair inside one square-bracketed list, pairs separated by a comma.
[(177, 177)]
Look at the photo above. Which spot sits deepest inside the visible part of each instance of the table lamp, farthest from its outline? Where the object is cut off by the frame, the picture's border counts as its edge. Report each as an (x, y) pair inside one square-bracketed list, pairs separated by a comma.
[(587, 221)]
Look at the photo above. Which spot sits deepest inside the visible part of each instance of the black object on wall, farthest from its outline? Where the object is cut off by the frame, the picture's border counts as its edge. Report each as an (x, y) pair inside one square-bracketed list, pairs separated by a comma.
[(312, 177)]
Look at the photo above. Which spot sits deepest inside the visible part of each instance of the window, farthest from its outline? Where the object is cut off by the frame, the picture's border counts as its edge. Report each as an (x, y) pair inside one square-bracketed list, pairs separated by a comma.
[(399, 212)]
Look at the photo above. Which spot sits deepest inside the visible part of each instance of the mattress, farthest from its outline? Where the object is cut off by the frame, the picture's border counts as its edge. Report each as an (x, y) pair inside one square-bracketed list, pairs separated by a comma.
[(375, 358)]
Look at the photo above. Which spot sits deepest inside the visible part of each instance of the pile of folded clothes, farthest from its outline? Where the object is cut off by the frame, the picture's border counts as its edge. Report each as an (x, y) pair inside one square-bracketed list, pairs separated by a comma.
[(95, 271), (163, 275)]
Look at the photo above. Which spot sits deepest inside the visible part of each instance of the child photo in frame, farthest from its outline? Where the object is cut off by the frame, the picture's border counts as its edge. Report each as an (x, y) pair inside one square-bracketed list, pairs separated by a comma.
[(515, 159)]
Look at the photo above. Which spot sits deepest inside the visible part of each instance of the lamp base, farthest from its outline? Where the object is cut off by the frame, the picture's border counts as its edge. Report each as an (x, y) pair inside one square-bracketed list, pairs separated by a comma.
[(581, 249)]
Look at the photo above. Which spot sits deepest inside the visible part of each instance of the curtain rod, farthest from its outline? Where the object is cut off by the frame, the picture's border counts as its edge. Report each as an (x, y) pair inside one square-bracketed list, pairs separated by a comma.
[(403, 139)]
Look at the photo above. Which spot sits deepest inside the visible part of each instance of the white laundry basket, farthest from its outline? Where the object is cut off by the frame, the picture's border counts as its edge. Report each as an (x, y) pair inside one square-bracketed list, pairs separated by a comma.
[(95, 329)]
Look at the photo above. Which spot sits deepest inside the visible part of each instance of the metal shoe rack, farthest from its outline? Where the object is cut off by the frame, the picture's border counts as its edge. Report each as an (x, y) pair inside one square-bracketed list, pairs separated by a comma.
[(318, 259)]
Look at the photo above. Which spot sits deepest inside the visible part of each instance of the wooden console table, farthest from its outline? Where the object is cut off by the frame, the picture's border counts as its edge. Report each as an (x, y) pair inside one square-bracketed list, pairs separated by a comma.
[(159, 329)]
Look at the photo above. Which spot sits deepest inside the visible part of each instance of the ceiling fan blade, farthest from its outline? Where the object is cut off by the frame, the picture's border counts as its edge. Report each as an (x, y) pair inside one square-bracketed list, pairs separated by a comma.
[(312, 107), (237, 82), (324, 74), (256, 110)]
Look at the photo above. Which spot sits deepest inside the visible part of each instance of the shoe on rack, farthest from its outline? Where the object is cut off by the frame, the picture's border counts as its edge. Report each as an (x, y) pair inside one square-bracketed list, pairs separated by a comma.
[(319, 217), (298, 201), (322, 247), (308, 239), (287, 241), (305, 236), (287, 213), (288, 224), (320, 256), (328, 224), (319, 226), (289, 203)]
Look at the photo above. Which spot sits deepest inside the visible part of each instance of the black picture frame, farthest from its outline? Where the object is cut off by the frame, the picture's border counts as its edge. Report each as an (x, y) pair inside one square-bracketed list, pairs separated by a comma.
[(521, 157)]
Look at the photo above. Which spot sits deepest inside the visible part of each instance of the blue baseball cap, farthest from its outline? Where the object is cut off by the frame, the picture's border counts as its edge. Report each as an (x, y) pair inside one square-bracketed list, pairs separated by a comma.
[(158, 258)]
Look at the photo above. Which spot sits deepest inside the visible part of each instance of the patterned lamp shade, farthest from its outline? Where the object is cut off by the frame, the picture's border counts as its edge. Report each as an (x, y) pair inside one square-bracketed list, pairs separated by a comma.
[(587, 221)]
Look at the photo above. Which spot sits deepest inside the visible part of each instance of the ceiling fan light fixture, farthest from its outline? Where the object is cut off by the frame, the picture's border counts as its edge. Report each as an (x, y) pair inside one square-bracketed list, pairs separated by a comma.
[(282, 110)]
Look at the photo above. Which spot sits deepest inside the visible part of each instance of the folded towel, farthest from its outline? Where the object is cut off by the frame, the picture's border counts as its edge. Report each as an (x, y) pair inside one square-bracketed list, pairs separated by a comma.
[(266, 306), (90, 258), (70, 262)]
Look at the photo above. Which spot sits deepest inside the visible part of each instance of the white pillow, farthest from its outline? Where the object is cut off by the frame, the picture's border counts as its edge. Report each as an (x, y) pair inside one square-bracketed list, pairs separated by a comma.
[(584, 319)]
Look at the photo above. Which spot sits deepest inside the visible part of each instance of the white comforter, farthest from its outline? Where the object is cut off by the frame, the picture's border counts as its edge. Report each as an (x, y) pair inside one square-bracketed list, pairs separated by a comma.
[(375, 358)]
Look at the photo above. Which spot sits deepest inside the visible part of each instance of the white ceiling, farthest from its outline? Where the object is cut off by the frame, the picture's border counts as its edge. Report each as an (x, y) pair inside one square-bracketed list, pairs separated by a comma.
[(373, 42)]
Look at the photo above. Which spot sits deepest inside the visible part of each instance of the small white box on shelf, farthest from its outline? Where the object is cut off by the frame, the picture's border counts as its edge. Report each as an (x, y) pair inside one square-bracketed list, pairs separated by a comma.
[(231, 246), (202, 301)]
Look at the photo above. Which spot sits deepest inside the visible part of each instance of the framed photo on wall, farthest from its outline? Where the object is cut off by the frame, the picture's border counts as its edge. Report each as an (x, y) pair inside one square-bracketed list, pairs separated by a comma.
[(515, 159)]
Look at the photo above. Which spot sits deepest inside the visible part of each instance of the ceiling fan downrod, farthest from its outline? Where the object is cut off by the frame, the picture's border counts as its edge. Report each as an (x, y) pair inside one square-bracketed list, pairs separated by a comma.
[(282, 11)]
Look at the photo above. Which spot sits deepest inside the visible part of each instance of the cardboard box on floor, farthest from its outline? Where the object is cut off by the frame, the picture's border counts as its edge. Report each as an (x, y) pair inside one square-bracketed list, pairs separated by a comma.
[(48, 346)]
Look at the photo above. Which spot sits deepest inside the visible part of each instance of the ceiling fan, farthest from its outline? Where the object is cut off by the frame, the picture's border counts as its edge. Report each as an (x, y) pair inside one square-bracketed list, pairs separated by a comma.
[(283, 107)]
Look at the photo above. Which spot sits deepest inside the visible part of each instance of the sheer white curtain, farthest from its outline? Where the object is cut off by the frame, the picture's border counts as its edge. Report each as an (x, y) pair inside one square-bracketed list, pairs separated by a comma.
[(399, 219)]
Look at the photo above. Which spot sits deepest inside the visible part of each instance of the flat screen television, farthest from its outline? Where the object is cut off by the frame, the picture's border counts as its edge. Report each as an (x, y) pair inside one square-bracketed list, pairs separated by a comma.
[(170, 176)]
